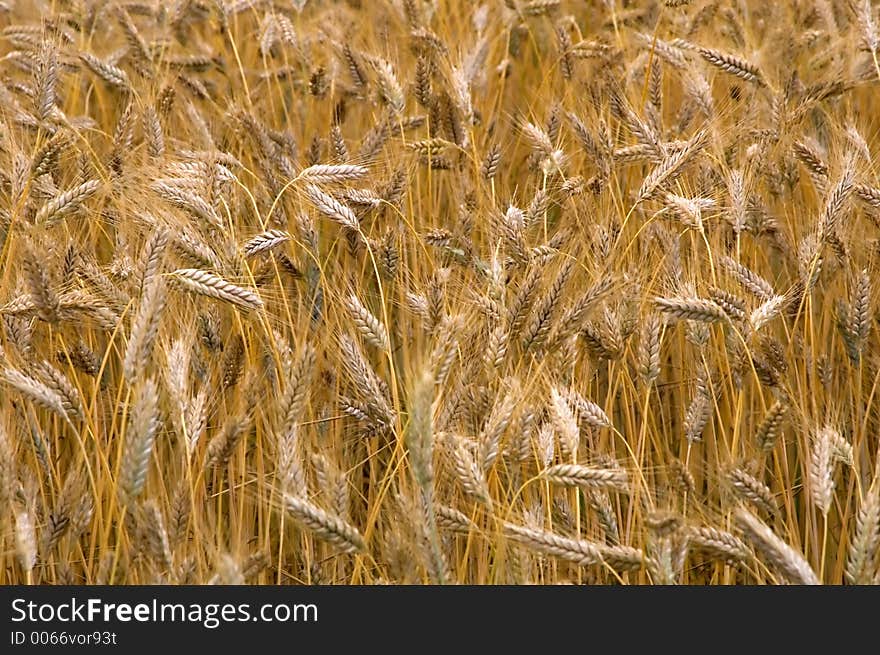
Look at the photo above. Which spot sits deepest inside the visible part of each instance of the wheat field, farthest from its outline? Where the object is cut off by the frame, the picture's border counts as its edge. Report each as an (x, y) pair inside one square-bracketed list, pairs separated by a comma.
[(433, 291)]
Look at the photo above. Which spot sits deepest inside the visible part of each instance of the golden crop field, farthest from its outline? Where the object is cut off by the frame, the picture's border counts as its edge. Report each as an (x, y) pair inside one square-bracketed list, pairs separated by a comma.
[(439, 291)]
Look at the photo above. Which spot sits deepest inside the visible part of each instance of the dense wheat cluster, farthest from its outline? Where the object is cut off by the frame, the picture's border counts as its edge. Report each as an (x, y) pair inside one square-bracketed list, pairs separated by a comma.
[(410, 291)]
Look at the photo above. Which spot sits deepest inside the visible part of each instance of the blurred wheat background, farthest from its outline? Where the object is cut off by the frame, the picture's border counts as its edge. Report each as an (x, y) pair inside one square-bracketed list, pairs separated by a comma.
[(437, 291)]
